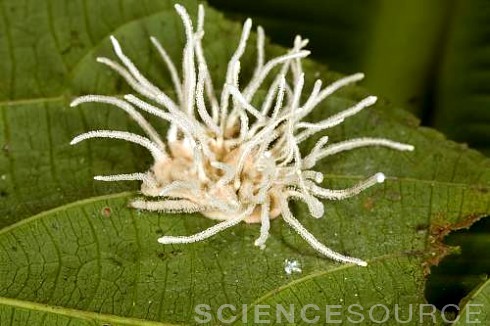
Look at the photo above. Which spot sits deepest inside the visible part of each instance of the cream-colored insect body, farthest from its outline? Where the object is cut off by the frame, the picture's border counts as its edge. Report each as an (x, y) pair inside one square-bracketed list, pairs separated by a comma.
[(224, 157)]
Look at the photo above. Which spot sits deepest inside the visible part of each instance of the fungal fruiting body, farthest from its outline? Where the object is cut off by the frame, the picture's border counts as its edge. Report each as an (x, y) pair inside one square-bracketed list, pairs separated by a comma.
[(224, 157)]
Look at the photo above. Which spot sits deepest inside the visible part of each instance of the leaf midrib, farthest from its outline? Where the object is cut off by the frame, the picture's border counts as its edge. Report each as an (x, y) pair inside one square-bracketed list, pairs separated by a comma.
[(90, 315), (316, 274), (80, 314), (127, 193), (64, 207)]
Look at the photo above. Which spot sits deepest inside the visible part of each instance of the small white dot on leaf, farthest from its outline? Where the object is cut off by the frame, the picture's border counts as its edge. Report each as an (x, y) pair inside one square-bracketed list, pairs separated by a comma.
[(292, 266)]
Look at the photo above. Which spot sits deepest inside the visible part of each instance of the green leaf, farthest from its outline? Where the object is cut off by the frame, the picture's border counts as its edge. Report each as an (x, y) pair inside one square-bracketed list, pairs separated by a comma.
[(475, 309), (91, 260), (38, 168)]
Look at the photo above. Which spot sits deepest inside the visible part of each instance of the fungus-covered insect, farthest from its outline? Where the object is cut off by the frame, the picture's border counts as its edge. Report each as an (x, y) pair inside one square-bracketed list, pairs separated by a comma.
[(224, 157)]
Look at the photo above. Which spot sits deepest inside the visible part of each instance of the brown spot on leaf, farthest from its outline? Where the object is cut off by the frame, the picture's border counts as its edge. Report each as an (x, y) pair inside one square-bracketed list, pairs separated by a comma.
[(106, 211), (438, 230), (421, 227), (368, 203), (482, 189), (161, 255)]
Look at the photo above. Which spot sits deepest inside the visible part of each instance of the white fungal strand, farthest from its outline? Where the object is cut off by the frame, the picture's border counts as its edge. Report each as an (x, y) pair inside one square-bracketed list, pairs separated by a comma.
[(348, 192), (224, 157), (135, 115), (313, 128), (317, 245), (170, 66), (208, 232), (168, 206), (155, 151), (265, 225), (145, 177)]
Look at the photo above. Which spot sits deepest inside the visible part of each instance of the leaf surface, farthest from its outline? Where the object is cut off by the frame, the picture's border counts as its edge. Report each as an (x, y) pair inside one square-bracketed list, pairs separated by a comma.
[(476, 307), (71, 250)]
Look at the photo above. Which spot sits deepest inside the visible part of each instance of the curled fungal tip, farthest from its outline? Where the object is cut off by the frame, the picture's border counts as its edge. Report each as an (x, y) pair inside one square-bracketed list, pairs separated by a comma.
[(180, 8), (115, 44), (319, 177), (371, 100), (380, 177)]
